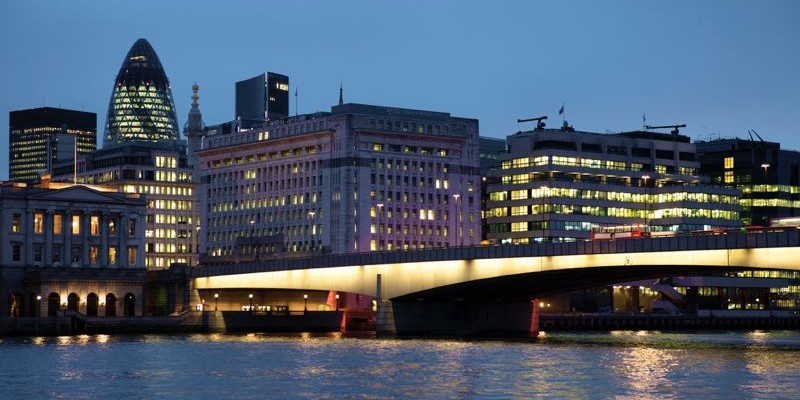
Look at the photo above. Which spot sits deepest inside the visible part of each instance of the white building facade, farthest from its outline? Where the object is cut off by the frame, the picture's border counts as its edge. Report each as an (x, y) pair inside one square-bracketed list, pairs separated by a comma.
[(360, 178)]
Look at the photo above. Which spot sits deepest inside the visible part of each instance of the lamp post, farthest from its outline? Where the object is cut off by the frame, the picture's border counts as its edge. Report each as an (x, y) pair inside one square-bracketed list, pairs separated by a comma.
[(197, 246), (544, 190), (216, 301), (378, 228), (305, 303), (251, 302), (752, 206), (459, 242), (337, 301), (311, 215), (646, 202)]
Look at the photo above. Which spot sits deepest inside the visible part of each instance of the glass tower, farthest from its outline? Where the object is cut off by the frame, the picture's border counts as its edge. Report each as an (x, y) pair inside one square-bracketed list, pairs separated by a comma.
[(141, 106)]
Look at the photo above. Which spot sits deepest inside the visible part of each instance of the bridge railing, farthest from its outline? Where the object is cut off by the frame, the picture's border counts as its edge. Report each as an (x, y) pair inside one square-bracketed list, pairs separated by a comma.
[(738, 240)]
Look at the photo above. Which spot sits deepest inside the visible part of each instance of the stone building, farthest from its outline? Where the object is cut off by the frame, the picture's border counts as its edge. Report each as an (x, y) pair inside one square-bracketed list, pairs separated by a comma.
[(70, 247)]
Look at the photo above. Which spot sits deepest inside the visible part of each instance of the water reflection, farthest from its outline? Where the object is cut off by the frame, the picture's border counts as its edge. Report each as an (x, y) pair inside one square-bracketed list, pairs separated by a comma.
[(623, 365)]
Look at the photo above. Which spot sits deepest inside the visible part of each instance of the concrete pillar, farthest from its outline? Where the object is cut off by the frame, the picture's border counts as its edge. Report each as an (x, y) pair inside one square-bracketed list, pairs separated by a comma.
[(66, 258), (103, 257), (27, 248), (122, 234), (85, 230), (384, 318)]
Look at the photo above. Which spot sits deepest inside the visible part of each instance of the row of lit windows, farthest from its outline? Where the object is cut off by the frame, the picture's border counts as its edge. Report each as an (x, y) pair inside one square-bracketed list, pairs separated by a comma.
[(425, 151), (587, 194), (588, 163), (621, 212), (58, 224), (75, 256), (264, 156)]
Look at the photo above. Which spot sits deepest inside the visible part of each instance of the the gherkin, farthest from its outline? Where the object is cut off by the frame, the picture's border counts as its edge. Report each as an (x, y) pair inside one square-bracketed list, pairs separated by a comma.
[(141, 106)]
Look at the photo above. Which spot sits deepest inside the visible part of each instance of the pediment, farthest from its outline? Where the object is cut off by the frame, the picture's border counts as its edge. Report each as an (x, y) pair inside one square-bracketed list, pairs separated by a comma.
[(80, 194)]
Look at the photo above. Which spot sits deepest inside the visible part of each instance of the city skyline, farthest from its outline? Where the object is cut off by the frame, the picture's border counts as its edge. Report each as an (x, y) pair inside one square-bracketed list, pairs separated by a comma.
[(719, 67)]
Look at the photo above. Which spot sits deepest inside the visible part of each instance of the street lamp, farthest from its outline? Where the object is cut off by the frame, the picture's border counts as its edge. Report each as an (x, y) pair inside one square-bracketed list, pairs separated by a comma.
[(337, 301), (457, 196), (378, 229), (216, 301), (305, 303), (38, 305), (646, 202), (251, 302)]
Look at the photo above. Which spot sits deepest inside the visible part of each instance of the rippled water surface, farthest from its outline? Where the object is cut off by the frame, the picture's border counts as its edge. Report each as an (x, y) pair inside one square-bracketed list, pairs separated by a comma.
[(626, 365)]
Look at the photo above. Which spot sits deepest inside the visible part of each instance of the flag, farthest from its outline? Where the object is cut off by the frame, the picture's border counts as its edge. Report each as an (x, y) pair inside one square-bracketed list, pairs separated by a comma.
[(561, 110)]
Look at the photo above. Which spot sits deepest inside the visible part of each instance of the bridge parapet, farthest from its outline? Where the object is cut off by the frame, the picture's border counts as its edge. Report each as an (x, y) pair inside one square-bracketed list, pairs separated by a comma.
[(739, 240)]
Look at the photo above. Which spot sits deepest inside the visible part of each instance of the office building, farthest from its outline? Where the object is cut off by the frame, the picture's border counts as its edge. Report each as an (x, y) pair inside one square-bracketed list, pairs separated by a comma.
[(40, 137), (144, 155), (262, 98), (141, 106), (768, 176), (359, 178), (71, 247), (560, 184)]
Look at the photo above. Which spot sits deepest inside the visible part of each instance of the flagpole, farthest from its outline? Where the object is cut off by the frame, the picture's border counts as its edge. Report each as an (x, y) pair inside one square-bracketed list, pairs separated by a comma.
[(295, 102)]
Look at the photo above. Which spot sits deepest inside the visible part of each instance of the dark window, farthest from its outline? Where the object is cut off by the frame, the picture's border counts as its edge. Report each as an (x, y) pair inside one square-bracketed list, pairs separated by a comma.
[(665, 154), (617, 150), (640, 152), (591, 148), (555, 144), (686, 156), (16, 251)]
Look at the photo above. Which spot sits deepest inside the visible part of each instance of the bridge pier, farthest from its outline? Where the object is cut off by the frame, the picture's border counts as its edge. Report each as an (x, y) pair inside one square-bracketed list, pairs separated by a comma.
[(466, 318)]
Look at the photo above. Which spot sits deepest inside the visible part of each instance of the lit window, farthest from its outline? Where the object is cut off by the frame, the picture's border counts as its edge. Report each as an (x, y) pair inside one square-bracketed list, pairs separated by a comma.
[(112, 255), (131, 255), (729, 177), (57, 225), (95, 225), (38, 223), (76, 224), (15, 223), (728, 162)]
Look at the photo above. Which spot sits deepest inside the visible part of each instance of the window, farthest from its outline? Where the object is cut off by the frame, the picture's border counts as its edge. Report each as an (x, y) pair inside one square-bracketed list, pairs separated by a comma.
[(729, 178), (76, 224), (15, 223), (112, 255), (37, 253), (76, 255), (16, 252), (95, 225), (132, 256), (519, 226), (728, 162), (94, 251), (56, 253), (131, 227), (58, 223), (112, 226), (38, 223)]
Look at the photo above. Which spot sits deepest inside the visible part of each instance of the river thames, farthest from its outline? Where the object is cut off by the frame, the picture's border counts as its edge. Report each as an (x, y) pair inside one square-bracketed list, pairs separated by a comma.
[(624, 365)]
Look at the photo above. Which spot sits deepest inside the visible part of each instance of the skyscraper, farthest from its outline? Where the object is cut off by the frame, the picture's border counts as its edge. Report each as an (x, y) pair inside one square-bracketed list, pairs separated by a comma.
[(141, 106), (262, 98), (40, 137)]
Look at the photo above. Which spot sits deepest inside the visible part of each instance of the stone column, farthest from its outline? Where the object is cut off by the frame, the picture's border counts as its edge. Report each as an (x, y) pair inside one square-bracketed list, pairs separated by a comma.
[(122, 234), (66, 255), (27, 247), (103, 261), (140, 232), (48, 238), (384, 316), (87, 225)]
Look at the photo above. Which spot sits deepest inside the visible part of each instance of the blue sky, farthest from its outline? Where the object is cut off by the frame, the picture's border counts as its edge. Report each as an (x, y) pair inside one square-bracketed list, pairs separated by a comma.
[(721, 67)]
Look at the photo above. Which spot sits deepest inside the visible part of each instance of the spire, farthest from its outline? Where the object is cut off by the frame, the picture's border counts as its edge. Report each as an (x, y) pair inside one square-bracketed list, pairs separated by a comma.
[(341, 98), (194, 129)]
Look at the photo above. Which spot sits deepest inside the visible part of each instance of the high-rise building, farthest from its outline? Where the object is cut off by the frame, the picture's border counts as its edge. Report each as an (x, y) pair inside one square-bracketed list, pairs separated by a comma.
[(40, 137), (262, 98), (768, 176), (359, 178), (559, 185), (145, 156), (141, 106)]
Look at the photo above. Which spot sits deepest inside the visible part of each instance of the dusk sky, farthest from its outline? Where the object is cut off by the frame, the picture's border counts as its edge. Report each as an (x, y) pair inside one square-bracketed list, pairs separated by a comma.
[(721, 67)]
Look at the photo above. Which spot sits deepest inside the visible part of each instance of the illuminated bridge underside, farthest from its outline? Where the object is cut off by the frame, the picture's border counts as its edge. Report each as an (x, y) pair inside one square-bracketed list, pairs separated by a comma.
[(509, 278)]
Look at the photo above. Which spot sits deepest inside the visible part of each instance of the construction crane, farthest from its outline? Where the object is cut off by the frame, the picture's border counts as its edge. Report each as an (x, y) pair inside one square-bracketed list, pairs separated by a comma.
[(674, 127), (539, 123)]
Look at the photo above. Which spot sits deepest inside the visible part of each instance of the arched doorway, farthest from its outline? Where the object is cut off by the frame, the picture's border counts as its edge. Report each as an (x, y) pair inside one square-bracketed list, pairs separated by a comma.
[(53, 304), (91, 304), (15, 305), (111, 305), (129, 305), (72, 302)]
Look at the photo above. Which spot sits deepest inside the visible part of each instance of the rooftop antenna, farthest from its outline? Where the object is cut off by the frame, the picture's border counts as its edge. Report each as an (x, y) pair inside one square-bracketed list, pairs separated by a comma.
[(759, 136), (751, 134), (341, 98), (295, 101), (539, 123), (675, 128)]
